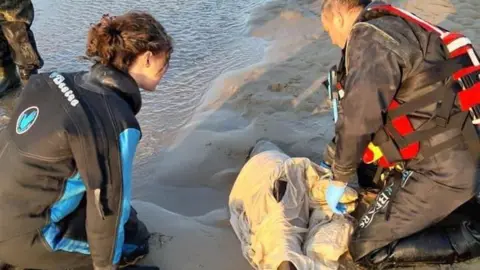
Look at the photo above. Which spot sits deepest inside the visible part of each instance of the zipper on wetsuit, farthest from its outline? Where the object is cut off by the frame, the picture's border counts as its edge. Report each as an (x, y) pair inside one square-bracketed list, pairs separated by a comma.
[(97, 192)]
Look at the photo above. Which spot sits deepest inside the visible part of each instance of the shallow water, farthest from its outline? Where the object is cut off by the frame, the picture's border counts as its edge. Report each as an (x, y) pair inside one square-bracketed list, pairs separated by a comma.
[(210, 38)]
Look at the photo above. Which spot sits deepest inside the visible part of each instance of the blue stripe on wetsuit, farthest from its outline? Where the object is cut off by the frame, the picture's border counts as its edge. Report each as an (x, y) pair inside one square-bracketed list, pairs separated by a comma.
[(73, 194), (128, 145), (50, 233)]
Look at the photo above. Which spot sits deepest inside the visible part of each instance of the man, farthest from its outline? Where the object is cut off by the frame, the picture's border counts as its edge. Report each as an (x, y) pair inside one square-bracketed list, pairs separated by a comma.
[(17, 44), (393, 62)]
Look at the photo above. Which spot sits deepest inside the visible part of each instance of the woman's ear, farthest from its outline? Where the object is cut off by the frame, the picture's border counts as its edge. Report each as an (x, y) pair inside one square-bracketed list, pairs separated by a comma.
[(148, 58)]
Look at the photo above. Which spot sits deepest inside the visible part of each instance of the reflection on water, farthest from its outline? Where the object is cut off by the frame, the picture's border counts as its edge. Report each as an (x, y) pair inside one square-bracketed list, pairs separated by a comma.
[(210, 38)]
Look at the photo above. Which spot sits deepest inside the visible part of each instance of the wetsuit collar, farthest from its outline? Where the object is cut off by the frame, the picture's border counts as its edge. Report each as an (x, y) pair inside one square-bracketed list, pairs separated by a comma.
[(122, 83)]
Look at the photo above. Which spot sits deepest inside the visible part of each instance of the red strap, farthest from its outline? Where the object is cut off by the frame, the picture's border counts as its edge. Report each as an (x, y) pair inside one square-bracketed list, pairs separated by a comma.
[(404, 127), (469, 97), (402, 123), (465, 71), (383, 162)]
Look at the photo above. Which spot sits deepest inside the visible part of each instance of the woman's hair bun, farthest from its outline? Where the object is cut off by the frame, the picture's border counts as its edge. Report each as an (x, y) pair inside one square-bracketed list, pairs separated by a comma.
[(117, 40)]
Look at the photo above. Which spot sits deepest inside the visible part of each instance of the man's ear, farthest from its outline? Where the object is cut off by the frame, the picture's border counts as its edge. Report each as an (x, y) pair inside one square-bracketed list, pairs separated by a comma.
[(338, 19)]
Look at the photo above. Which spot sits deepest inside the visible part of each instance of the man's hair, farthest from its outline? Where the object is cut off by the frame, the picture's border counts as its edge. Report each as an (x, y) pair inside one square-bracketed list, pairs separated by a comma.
[(327, 5)]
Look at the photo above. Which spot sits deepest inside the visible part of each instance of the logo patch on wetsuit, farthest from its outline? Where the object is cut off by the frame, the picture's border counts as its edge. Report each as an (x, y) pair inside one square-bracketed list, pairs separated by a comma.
[(63, 87), (26, 119)]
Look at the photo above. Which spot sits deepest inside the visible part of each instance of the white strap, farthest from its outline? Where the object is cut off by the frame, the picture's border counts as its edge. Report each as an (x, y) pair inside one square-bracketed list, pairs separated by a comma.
[(473, 57), (458, 43)]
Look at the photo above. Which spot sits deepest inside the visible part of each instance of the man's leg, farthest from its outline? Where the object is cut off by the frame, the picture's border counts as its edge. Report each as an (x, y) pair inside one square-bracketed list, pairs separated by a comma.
[(419, 203), (454, 239)]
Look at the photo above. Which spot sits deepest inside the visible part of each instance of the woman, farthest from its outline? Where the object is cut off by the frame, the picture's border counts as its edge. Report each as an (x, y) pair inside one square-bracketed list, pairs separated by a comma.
[(66, 156)]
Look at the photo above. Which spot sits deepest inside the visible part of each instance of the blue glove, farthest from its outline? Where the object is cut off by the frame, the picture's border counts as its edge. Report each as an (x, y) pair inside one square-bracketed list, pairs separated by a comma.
[(333, 195), (326, 165), (326, 168)]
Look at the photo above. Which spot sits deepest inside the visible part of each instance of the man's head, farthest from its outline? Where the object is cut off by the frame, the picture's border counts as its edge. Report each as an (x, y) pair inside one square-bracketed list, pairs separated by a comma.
[(338, 17)]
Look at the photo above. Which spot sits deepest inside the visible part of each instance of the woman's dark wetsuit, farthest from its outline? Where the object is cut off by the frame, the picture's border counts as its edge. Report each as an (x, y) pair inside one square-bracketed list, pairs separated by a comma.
[(66, 172)]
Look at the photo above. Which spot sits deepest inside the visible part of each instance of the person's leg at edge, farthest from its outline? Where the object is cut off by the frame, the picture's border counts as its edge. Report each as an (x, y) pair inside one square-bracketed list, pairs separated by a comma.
[(9, 78), (22, 42)]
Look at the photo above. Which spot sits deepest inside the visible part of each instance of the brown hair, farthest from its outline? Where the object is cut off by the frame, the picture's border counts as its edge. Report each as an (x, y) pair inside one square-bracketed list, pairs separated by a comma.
[(327, 5), (118, 40)]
